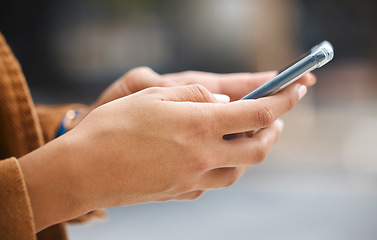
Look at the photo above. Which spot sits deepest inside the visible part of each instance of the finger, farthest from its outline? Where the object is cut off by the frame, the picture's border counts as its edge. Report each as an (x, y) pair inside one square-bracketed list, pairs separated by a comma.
[(235, 135), (236, 85), (131, 82), (193, 77), (140, 78), (248, 151), (188, 93), (247, 134), (189, 195), (221, 177), (246, 115), (239, 85), (221, 98), (308, 79)]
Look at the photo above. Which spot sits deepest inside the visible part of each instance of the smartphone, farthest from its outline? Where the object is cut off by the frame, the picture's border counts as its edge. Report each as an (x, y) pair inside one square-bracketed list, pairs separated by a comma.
[(318, 56)]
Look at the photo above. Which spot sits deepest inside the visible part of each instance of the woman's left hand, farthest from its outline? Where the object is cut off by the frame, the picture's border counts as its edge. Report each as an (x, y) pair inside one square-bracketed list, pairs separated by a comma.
[(235, 85)]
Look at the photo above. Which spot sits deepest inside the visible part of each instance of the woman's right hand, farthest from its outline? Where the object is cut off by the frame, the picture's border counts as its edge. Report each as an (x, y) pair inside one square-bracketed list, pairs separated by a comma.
[(155, 145)]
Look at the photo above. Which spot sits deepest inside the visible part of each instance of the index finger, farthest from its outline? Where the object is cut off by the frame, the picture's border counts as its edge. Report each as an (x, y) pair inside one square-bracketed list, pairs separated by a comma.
[(246, 115), (235, 85)]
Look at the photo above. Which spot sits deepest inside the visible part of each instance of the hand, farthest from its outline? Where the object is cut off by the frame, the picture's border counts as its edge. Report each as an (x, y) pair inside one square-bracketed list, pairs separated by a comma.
[(235, 85), (156, 145)]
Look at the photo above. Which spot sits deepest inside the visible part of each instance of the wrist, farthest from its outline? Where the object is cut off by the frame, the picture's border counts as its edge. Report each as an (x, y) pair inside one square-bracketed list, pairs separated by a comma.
[(80, 114), (53, 184), (71, 119)]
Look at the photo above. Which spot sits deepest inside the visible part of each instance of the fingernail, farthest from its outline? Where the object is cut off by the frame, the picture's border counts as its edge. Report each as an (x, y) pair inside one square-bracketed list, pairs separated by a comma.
[(279, 123), (222, 98), (302, 91)]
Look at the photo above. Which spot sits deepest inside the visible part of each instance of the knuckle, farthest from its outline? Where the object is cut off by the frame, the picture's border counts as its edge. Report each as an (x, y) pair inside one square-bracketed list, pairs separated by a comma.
[(233, 176), (152, 90), (201, 126), (292, 101), (139, 70), (203, 129), (185, 187), (265, 116), (133, 77), (189, 73), (195, 194), (260, 152), (201, 164), (200, 92)]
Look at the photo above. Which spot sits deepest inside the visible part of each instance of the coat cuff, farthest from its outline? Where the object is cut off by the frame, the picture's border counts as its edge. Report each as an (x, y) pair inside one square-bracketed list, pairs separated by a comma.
[(16, 219)]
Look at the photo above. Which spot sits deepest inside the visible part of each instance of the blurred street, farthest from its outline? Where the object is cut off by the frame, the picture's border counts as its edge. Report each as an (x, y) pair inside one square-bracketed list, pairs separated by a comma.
[(320, 179)]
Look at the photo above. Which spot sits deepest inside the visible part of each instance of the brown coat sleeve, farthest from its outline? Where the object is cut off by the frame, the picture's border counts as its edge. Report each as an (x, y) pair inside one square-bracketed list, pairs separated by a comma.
[(16, 219)]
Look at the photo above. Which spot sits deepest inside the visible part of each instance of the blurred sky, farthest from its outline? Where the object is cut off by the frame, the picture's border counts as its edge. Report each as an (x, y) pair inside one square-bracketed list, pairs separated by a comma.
[(320, 180)]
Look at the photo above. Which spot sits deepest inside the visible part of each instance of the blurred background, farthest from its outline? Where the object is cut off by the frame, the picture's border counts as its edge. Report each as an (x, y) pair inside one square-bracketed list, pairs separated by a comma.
[(318, 182)]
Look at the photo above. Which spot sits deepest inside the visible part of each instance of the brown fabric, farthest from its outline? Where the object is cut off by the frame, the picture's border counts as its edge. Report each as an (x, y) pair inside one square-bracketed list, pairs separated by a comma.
[(20, 134), (14, 203), (23, 129), (19, 125), (54, 232)]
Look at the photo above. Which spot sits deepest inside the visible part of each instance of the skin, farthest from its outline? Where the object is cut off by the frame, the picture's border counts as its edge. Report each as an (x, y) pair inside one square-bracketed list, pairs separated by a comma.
[(163, 141)]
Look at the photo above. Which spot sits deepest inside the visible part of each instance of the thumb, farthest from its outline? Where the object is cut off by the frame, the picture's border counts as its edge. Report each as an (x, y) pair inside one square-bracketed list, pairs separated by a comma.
[(141, 78), (135, 80), (188, 93)]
